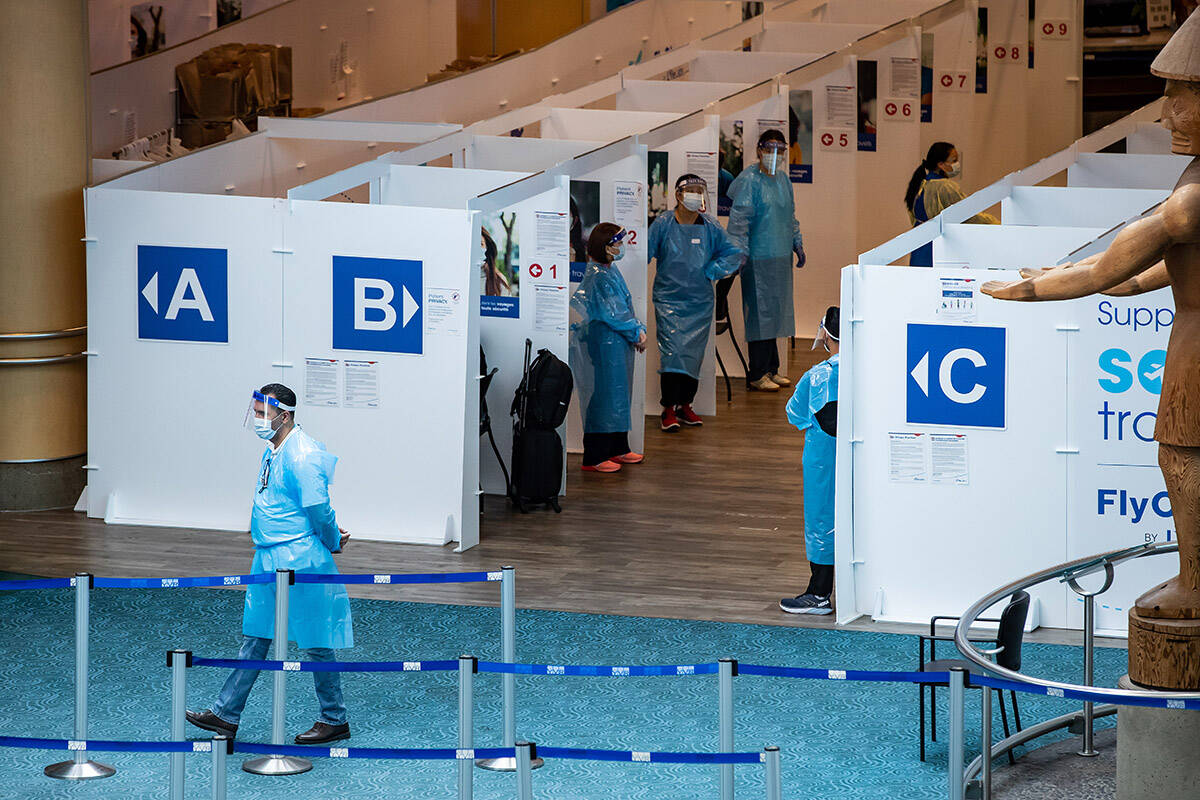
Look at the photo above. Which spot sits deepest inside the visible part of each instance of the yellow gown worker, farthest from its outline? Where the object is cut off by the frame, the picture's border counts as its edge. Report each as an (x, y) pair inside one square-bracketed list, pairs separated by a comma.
[(933, 189)]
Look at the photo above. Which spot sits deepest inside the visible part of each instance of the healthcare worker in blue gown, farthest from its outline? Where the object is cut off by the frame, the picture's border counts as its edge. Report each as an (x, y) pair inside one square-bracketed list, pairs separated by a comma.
[(605, 332), (293, 527), (813, 409), (691, 250), (762, 222)]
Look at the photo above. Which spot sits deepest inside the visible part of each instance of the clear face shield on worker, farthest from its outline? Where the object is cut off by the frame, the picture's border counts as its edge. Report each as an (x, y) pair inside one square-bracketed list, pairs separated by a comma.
[(771, 155), (824, 337), (693, 193), (264, 415)]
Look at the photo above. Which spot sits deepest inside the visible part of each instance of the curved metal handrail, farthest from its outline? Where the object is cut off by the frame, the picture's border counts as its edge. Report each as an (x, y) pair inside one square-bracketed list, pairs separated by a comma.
[(65, 333), (970, 653)]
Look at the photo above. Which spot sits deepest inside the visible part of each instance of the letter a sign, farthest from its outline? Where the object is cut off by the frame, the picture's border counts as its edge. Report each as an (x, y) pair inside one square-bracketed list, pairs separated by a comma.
[(377, 304), (183, 293)]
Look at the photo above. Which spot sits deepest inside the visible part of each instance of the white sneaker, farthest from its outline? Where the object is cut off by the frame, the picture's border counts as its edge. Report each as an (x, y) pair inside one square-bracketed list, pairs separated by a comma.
[(780, 380), (765, 384)]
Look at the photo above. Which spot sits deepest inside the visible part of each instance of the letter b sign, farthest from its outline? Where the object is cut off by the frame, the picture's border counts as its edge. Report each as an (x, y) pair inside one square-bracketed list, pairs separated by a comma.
[(377, 304)]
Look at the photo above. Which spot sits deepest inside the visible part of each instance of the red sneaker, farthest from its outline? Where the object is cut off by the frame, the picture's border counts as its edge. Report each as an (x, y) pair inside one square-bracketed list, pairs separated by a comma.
[(688, 417), (670, 423), (603, 466), (629, 458)]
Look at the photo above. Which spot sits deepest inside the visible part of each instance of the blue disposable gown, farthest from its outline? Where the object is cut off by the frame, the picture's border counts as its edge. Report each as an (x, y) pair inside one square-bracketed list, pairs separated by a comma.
[(690, 258), (293, 527), (763, 223), (818, 387), (602, 339)]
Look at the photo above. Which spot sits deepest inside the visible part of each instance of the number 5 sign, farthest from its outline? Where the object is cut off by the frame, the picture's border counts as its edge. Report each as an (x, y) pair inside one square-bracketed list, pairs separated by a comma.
[(900, 109), (838, 141), (955, 82)]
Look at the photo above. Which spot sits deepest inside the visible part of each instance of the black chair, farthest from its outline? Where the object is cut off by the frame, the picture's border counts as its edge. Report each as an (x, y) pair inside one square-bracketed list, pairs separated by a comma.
[(1007, 651), (723, 325)]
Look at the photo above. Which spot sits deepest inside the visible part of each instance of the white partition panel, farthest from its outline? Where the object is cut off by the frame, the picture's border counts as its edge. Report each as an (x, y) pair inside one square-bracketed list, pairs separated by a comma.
[(911, 550), (871, 11), (426, 403), (1006, 246), (203, 474), (740, 67), (999, 122), (1075, 207), (440, 187), (1127, 171), (809, 37), (1149, 138), (1055, 97), (682, 96), (954, 98), (529, 155), (593, 124)]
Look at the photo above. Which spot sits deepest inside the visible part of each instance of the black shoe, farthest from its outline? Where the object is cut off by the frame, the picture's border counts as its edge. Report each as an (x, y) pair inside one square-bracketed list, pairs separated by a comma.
[(209, 721), (322, 732)]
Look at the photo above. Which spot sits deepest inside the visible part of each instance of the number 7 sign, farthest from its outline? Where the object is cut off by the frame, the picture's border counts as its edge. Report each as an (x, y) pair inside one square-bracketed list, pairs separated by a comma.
[(955, 81)]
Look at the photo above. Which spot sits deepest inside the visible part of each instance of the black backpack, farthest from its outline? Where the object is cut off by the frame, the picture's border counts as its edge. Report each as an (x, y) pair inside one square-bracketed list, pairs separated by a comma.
[(542, 399)]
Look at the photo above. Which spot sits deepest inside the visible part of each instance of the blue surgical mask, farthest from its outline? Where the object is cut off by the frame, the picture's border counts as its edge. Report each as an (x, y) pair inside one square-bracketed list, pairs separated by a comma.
[(620, 252), (263, 429)]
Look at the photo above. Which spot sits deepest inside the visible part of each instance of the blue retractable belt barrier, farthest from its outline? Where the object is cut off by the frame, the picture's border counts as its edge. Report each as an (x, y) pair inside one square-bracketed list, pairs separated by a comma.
[(35, 583), (669, 670), (183, 583), (30, 743), (405, 754), (874, 676), (432, 577), (328, 666), (649, 757)]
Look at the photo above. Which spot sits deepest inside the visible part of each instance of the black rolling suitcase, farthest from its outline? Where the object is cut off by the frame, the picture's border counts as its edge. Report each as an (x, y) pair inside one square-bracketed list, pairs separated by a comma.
[(539, 408)]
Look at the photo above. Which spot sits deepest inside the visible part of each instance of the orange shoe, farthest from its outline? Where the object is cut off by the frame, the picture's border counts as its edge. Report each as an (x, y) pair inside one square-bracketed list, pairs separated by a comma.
[(629, 458), (603, 466)]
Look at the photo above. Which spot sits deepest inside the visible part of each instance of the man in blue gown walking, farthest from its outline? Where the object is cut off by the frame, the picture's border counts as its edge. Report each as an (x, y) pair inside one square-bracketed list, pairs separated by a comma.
[(293, 527)]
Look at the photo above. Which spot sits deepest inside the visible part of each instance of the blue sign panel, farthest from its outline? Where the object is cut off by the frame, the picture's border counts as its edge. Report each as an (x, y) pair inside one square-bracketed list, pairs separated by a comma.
[(183, 293), (377, 304), (955, 376)]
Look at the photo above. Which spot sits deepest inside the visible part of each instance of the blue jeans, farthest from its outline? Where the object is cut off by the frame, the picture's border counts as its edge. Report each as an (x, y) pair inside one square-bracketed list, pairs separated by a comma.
[(232, 698)]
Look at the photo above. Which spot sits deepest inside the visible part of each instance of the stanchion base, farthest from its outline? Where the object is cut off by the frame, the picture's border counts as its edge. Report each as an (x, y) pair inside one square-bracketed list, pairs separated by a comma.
[(1088, 753), (505, 764), (75, 771), (277, 765)]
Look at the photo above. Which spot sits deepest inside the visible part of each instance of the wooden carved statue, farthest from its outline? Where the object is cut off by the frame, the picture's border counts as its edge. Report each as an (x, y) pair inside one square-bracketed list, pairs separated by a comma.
[(1162, 249)]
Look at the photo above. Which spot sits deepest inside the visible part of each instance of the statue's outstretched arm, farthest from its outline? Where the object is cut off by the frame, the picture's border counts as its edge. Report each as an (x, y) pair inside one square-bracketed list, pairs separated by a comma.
[(1151, 280), (1137, 248)]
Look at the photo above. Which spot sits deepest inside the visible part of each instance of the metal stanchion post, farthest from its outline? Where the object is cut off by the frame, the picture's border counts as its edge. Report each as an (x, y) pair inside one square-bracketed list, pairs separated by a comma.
[(985, 736), (467, 667), (1089, 645), (178, 661), (80, 768), (508, 654), (774, 776), (957, 691), (279, 765), (526, 754), (726, 669), (221, 745)]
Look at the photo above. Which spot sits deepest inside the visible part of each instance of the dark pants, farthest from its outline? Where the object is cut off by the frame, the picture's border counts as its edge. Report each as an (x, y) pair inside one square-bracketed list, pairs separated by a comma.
[(764, 358), (677, 389), (821, 582), (599, 447)]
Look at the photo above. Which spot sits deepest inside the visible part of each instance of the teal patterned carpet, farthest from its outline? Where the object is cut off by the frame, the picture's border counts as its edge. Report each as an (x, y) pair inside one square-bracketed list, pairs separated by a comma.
[(839, 740)]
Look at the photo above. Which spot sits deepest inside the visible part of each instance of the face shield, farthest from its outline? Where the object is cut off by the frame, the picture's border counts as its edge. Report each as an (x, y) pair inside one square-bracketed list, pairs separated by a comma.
[(263, 415), (616, 245), (693, 193), (771, 155), (823, 337)]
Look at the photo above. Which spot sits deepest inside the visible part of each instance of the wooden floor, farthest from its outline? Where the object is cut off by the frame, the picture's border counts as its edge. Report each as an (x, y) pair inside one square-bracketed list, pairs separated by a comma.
[(710, 527)]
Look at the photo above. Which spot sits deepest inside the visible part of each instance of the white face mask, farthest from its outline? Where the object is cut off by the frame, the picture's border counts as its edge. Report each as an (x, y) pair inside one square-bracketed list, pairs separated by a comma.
[(693, 201), (955, 169)]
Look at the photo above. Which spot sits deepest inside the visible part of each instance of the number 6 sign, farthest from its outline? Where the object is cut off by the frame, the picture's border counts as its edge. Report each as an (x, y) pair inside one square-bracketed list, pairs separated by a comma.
[(837, 141), (900, 109)]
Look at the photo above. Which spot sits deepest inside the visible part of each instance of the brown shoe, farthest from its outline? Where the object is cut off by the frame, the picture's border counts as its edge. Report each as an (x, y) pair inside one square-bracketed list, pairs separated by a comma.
[(209, 721)]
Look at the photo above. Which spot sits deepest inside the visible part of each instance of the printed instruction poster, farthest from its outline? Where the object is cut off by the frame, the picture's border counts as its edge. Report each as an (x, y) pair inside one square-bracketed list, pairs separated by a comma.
[(445, 312), (908, 457), (321, 382), (948, 459), (629, 204), (957, 300), (361, 384), (550, 308), (800, 130)]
